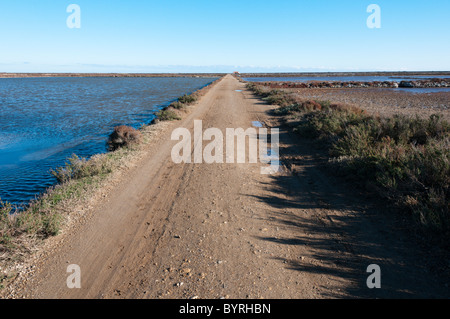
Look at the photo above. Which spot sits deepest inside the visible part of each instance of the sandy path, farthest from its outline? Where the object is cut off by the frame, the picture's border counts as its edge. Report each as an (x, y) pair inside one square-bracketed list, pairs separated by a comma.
[(225, 230)]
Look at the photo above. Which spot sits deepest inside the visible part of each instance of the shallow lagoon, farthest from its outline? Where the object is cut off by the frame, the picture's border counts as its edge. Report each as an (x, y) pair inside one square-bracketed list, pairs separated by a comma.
[(45, 120)]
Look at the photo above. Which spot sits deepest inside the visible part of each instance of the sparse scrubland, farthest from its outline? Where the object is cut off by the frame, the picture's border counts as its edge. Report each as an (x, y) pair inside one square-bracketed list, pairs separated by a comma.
[(404, 159)]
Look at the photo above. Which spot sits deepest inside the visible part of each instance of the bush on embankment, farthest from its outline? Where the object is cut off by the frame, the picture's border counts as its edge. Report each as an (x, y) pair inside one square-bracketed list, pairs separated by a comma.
[(174, 110), (167, 115), (123, 136), (183, 101), (404, 159)]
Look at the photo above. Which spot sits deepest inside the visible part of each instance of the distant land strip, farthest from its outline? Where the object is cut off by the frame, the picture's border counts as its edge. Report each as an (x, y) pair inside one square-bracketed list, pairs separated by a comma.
[(244, 75), (114, 75), (324, 74)]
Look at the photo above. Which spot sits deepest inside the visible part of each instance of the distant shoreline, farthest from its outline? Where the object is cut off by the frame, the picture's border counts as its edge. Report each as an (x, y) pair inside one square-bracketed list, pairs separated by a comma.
[(275, 74), (107, 75), (324, 74)]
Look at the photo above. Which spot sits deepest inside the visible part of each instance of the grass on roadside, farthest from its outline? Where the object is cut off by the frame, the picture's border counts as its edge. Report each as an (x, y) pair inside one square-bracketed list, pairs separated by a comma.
[(170, 113), (183, 101)]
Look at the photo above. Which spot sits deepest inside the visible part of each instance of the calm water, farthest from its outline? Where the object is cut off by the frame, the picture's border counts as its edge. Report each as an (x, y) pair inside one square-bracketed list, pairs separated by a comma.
[(45, 120), (358, 78)]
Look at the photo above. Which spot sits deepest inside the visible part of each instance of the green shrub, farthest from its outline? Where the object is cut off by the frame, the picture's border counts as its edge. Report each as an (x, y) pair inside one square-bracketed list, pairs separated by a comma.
[(167, 115), (78, 168), (408, 159), (356, 141), (330, 123), (278, 98), (178, 105), (325, 104), (51, 224), (413, 130), (288, 109), (187, 99)]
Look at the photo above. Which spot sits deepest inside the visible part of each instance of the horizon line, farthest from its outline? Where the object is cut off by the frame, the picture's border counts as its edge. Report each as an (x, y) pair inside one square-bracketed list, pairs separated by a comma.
[(218, 72)]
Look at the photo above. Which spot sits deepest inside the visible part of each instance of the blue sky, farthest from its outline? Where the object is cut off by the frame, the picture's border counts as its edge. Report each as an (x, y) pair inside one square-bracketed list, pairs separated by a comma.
[(223, 36)]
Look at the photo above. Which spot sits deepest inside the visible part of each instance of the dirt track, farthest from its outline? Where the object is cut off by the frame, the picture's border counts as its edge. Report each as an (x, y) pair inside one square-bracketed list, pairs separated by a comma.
[(225, 230)]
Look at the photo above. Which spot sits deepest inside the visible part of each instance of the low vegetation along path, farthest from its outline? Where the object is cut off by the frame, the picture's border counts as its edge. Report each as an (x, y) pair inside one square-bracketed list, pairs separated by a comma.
[(225, 230)]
